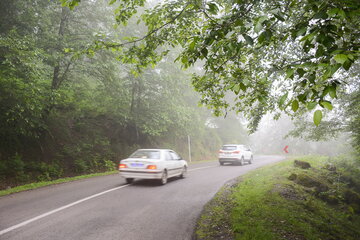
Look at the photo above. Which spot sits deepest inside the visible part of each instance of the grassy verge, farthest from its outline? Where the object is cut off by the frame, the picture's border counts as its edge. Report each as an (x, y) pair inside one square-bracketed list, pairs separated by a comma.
[(47, 183), (286, 202), (215, 221)]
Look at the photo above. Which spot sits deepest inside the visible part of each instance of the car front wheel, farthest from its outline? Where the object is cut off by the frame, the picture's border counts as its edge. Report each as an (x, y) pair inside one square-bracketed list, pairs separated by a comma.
[(251, 159), (184, 172)]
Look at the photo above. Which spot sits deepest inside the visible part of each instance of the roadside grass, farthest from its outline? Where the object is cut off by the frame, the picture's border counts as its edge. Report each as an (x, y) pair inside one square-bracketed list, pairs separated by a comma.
[(47, 183), (267, 205), (215, 222)]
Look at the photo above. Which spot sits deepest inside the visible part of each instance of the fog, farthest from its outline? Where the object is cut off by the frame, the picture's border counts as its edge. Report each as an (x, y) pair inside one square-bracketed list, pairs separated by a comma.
[(273, 135)]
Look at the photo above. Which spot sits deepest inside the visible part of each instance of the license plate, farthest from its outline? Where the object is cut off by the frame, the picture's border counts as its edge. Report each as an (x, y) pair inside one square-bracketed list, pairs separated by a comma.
[(136, 164)]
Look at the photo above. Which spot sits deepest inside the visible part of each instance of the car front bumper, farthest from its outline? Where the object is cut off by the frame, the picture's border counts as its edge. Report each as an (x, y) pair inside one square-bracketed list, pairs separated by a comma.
[(140, 174)]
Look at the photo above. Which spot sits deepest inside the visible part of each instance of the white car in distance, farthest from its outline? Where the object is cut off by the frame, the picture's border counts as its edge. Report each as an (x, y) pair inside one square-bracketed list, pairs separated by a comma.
[(153, 164), (236, 154)]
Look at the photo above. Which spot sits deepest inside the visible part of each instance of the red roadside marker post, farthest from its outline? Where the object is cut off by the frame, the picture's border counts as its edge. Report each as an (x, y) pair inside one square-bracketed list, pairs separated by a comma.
[(286, 149)]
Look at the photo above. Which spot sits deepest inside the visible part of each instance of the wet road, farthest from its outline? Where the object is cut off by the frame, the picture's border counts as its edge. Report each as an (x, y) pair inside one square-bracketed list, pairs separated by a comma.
[(108, 208)]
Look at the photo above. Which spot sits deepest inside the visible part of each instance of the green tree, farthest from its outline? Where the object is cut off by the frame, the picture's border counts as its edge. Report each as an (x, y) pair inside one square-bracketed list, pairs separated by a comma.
[(271, 54)]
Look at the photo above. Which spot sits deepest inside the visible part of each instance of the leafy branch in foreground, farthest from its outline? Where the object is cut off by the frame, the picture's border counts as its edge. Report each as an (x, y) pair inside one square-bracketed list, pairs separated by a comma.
[(287, 55)]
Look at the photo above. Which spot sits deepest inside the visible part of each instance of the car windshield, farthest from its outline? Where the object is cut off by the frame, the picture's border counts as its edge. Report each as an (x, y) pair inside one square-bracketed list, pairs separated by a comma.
[(152, 154), (228, 147)]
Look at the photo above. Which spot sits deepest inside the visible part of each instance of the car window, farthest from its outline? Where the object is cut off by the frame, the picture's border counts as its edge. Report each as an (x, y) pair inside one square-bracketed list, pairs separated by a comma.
[(150, 154), (229, 147), (168, 155), (174, 155)]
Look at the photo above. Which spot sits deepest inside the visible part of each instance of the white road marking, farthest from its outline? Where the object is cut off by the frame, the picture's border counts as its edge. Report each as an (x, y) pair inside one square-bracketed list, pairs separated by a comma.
[(2, 232), (58, 210), (201, 168)]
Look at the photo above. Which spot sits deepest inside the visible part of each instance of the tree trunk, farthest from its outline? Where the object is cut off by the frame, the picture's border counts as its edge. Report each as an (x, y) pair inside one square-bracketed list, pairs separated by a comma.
[(56, 81)]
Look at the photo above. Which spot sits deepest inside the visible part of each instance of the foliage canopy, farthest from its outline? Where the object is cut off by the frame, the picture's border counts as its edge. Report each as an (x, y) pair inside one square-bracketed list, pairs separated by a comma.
[(285, 55)]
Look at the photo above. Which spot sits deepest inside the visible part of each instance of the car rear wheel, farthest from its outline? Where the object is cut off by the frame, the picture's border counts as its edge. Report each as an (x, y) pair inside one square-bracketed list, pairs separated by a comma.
[(164, 178), (184, 172), (242, 161), (251, 159), (221, 163), (129, 180)]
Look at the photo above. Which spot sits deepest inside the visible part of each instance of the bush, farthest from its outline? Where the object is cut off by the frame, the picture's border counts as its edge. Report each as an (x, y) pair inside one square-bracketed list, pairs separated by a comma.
[(3, 171), (15, 166), (109, 165), (49, 171), (80, 166)]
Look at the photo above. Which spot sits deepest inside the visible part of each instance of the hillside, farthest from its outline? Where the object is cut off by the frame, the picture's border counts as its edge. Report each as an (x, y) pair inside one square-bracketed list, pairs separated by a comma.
[(288, 201)]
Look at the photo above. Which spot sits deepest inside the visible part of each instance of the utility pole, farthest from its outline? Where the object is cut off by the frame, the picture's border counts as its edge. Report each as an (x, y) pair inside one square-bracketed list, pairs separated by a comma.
[(189, 148)]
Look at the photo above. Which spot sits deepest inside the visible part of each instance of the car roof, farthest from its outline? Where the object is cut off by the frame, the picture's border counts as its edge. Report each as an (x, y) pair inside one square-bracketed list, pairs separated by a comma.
[(234, 145), (154, 149)]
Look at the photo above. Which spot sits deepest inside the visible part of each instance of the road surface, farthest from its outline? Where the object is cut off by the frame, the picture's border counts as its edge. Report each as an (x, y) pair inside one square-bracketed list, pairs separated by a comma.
[(108, 208)]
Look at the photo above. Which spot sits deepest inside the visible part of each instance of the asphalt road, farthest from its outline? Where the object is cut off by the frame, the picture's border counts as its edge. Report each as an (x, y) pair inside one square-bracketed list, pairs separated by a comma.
[(108, 208)]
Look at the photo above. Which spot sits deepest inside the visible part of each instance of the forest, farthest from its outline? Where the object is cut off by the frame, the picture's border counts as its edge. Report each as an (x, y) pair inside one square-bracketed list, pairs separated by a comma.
[(63, 115), (73, 100)]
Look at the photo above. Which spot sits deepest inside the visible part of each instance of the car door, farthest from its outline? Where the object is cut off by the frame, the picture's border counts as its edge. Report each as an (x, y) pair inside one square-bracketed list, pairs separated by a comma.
[(178, 165), (170, 164), (248, 152)]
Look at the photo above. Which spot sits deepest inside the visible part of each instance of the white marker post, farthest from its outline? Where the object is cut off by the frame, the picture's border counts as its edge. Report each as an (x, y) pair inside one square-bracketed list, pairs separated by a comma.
[(189, 148)]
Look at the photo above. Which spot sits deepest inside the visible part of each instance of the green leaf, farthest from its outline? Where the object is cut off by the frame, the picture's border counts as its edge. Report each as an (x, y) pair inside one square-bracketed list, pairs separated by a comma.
[(236, 89), (342, 13), (243, 87), (326, 105), (300, 72), (332, 91), (347, 65), (340, 58), (258, 23), (213, 8), (302, 97), (321, 15), (317, 117), (283, 99), (204, 52), (185, 60), (295, 105), (192, 45), (311, 105), (278, 16), (262, 37), (289, 72), (248, 39), (332, 12), (301, 32), (312, 78), (320, 51)]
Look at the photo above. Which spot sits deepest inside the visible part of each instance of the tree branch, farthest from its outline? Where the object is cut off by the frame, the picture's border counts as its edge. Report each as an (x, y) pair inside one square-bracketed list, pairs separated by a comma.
[(150, 33)]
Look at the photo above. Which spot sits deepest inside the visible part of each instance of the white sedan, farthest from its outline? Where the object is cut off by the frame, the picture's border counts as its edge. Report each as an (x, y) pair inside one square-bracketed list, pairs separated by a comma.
[(153, 164), (235, 153)]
